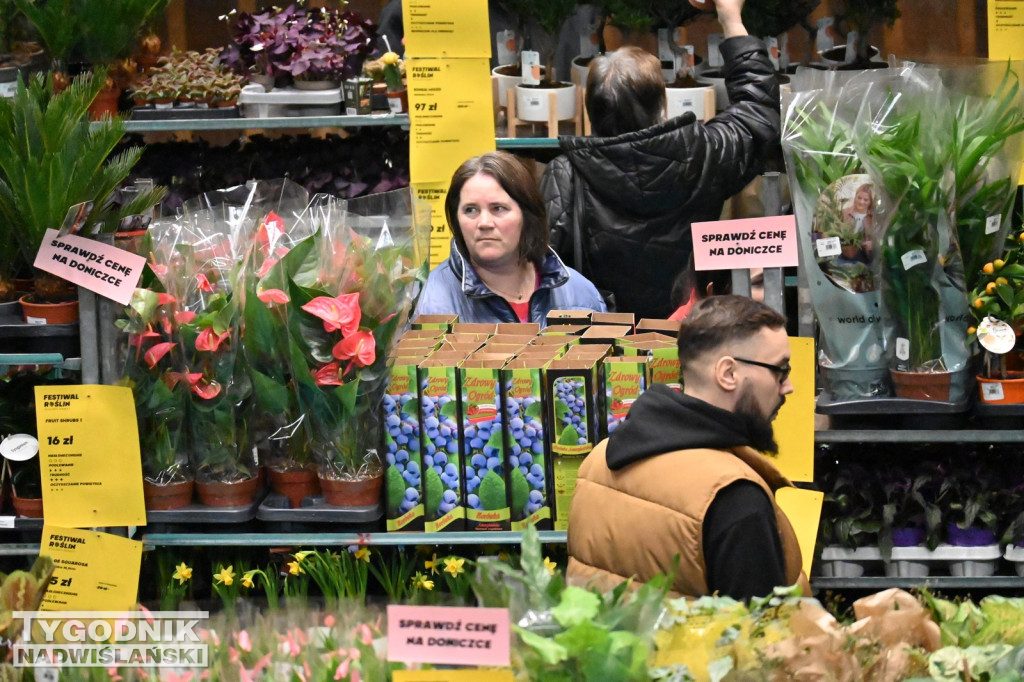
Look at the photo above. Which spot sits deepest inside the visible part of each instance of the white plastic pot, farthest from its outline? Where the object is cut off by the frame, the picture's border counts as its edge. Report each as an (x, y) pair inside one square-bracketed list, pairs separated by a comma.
[(532, 102)]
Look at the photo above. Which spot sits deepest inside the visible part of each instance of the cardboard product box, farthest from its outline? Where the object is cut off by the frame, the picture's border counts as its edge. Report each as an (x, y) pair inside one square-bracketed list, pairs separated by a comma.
[(622, 380), (483, 444), (570, 386), (663, 366), (564, 329), (590, 350), (421, 334), (649, 324), (530, 491), (519, 328), (443, 322), (556, 341), (466, 337), (474, 328), (627, 319), (573, 317), (403, 478), (444, 486), (605, 333), (644, 337)]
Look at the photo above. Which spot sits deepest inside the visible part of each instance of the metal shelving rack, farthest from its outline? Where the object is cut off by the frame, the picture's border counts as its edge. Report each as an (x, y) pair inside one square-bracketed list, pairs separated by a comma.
[(341, 539)]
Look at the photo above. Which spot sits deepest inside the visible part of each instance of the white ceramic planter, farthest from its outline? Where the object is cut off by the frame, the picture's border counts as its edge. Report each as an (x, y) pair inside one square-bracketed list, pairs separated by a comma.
[(505, 82), (715, 79), (533, 103), (701, 101), (580, 69)]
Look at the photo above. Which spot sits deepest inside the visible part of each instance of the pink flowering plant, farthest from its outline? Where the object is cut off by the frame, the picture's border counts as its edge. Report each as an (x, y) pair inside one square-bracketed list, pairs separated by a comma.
[(346, 319)]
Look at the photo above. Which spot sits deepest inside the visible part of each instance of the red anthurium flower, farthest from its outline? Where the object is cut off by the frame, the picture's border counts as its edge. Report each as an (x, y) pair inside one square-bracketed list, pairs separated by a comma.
[(159, 350), (360, 347), (328, 375), (270, 230), (270, 296), (339, 313), (206, 389), (164, 299), (202, 283), (184, 316), (138, 339), (158, 270), (210, 340), (172, 378), (265, 268)]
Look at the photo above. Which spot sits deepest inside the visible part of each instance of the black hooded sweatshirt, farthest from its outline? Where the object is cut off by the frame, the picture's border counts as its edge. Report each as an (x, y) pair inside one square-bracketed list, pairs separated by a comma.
[(742, 549)]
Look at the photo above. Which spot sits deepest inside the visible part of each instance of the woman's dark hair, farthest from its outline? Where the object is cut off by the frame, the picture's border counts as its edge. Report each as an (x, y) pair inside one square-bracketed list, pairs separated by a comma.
[(719, 320), (516, 179), (625, 92)]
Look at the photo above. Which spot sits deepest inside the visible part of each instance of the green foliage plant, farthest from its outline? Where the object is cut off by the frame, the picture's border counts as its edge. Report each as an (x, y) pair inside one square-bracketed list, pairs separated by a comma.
[(544, 24), (864, 15), (773, 17), (849, 516)]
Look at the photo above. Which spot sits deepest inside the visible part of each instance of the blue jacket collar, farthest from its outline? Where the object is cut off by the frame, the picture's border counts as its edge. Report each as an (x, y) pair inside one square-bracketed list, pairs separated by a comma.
[(553, 273)]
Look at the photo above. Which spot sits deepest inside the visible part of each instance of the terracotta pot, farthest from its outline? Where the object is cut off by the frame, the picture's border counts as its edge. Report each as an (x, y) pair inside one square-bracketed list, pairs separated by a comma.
[(169, 496), (922, 385), (1008, 391), (295, 484), (32, 507), (105, 104), (362, 492), (398, 101), (236, 494), (130, 240), (49, 313), (850, 251)]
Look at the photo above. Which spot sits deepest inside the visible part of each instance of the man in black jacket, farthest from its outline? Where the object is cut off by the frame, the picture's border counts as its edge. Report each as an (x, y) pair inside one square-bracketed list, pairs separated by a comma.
[(639, 183)]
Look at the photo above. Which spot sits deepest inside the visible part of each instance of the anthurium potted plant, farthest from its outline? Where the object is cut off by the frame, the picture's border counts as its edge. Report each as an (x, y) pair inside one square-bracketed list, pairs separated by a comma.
[(47, 141), (346, 315), (152, 369)]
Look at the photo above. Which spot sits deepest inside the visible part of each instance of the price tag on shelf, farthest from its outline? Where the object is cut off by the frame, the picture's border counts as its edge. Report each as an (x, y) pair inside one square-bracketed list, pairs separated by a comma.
[(448, 635), (992, 392), (446, 28), (6, 522), (768, 242), (451, 115), (89, 456), (92, 571), (101, 268)]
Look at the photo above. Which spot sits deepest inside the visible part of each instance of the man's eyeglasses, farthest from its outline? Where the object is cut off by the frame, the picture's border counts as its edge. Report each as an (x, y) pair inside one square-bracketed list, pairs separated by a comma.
[(781, 372)]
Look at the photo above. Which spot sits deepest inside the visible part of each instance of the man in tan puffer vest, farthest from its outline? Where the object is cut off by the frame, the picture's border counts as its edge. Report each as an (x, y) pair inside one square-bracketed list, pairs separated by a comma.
[(684, 474)]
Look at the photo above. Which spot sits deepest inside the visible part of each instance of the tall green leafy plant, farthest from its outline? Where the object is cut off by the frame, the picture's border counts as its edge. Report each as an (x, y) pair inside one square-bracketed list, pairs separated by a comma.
[(864, 15), (52, 158)]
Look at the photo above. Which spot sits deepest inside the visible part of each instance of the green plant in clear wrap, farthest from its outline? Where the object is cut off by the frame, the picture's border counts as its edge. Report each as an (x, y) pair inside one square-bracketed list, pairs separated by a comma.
[(985, 183), (821, 146)]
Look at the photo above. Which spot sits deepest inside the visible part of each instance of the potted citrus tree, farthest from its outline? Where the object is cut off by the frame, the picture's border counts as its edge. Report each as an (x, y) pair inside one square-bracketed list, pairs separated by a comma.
[(52, 159)]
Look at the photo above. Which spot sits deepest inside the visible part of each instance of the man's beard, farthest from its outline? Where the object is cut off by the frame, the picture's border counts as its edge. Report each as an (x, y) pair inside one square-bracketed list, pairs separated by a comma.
[(759, 427)]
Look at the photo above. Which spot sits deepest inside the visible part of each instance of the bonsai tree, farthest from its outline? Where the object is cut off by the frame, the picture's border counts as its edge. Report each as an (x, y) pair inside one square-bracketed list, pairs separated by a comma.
[(773, 17), (52, 158), (864, 15), (670, 15), (543, 28)]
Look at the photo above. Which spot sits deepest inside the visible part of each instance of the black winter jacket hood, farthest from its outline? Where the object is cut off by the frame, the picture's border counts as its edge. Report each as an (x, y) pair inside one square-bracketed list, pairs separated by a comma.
[(665, 420)]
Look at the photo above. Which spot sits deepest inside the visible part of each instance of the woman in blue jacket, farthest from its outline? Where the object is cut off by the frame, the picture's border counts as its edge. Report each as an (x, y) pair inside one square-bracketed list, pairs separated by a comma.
[(501, 268)]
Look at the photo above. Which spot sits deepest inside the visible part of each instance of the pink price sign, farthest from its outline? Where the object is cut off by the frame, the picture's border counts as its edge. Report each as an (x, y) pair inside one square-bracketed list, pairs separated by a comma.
[(102, 268), (446, 635), (745, 243)]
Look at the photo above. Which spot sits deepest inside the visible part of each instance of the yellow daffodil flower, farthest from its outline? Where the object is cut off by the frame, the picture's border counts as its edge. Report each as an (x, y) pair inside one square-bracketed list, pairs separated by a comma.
[(226, 575), (550, 565), (421, 582), (247, 577), (301, 556), (431, 564), (181, 573), (362, 554), (453, 565), (294, 568)]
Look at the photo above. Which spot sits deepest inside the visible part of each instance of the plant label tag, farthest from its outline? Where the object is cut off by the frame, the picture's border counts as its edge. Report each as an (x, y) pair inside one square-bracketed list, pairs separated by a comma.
[(588, 38), (6, 522), (851, 47), (715, 59), (912, 258), (530, 67), (19, 447), (992, 224), (996, 336), (35, 320), (505, 43), (98, 267), (992, 392), (902, 349), (784, 52), (773, 50), (828, 246), (823, 38)]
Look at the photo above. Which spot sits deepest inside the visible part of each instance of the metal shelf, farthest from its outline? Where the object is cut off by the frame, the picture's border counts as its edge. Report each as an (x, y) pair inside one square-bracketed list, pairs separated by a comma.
[(527, 142), (19, 549), (919, 436), (877, 583), (171, 125), (343, 539)]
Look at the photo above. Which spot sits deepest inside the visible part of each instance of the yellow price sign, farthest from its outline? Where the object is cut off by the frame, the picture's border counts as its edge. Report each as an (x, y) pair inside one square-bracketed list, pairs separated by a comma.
[(794, 427), (92, 571), (89, 456), (803, 509), (446, 28), (440, 235)]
